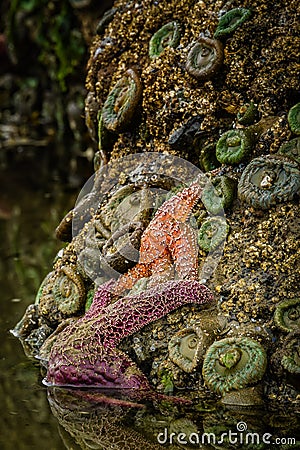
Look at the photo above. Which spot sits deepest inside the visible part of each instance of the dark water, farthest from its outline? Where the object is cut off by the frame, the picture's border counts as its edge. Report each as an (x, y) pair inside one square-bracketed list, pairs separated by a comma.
[(28, 217), (34, 418)]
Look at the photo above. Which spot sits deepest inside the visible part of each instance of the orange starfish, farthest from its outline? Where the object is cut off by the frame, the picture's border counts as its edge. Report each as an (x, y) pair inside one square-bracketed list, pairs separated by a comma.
[(167, 243)]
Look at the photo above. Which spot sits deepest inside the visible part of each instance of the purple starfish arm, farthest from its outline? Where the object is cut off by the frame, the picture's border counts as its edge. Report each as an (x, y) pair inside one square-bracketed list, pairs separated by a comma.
[(129, 314), (102, 298), (85, 352)]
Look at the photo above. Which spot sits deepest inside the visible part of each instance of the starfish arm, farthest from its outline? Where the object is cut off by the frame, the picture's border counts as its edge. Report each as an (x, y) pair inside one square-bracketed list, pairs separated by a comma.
[(85, 353), (179, 207), (130, 314), (102, 298), (162, 269), (184, 251)]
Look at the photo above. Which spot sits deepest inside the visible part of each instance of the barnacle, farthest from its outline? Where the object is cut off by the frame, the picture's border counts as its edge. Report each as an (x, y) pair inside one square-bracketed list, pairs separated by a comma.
[(230, 21), (205, 58), (233, 363), (212, 233), (291, 149), (287, 315), (234, 146), (121, 102), (166, 36), (294, 118), (268, 180)]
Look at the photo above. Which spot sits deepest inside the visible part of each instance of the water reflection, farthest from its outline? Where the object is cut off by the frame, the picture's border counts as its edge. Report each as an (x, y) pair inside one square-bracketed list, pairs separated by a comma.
[(113, 420)]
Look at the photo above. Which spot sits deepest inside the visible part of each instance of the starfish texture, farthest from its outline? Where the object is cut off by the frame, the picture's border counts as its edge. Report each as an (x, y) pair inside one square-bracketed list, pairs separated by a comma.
[(167, 242), (86, 353)]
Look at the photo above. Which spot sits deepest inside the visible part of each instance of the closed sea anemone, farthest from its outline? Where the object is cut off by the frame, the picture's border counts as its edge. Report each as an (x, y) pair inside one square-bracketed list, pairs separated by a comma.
[(208, 160), (287, 315), (247, 114), (291, 149), (219, 194), (230, 21), (234, 146), (294, 118), (167, 36), (121, 102), (205, 58)]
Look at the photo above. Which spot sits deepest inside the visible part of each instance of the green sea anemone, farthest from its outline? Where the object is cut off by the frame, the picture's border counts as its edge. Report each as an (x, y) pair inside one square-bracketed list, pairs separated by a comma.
[(205, 58), (219, 194), (186, 348), (43, 284), (247, 114), (69, 291), (230, 21), (208, 160), (166, 36), (121, 102), (269, 180), (291, 149), (89, 299), (212, 233), (287, 315), (106, 139), (291, 353), (234, 146), (294, 118), (233, 363)]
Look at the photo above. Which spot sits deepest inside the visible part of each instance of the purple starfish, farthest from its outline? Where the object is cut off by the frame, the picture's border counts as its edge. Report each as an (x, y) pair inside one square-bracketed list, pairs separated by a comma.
[(86, 353)]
